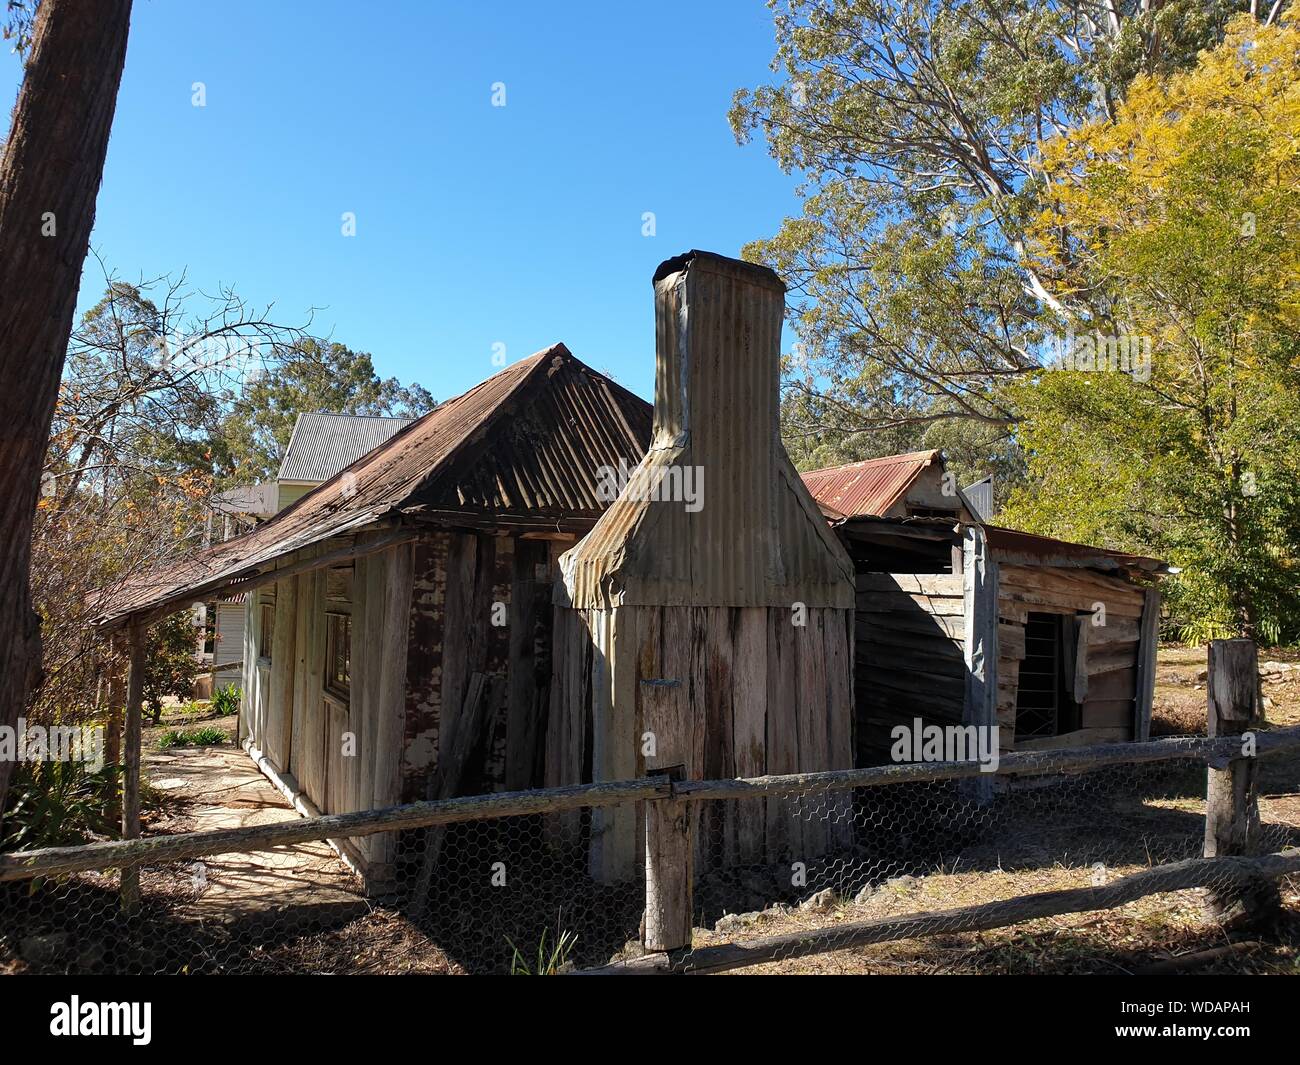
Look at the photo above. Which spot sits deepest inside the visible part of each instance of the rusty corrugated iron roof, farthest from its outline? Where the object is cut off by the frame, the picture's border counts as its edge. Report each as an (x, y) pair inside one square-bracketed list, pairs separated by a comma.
[(568, 414), (869, 488)]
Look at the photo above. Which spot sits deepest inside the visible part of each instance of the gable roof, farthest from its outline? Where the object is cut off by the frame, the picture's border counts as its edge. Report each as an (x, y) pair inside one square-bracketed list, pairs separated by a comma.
[(869, 488), (323, 443), (540, 428)]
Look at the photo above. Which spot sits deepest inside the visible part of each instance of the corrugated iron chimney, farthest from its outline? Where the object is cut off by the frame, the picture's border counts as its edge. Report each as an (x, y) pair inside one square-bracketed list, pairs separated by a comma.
[(715, 514), (706, 629)]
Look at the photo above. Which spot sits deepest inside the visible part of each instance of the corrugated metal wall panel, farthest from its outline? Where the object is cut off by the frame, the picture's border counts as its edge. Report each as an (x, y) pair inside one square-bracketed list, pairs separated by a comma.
[(758, 539)]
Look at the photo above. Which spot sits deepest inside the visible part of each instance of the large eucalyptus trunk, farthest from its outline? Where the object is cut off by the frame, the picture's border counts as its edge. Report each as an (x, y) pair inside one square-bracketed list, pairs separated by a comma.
[(49, 177)]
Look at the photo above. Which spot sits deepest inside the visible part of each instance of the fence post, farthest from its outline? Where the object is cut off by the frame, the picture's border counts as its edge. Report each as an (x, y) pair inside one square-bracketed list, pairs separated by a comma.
[(131, 778), (669, 869), (1231, 801)]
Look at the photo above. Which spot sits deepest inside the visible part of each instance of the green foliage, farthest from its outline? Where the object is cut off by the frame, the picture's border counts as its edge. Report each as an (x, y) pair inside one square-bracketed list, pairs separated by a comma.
[(915, 127), (205, 736), (171, 666), (549, 962), (1182, 212), (307, 376), (58, 804), (225, 701)]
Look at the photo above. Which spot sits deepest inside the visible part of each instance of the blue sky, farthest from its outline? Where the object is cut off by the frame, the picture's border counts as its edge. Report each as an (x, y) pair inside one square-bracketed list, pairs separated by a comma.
[(474, 224)]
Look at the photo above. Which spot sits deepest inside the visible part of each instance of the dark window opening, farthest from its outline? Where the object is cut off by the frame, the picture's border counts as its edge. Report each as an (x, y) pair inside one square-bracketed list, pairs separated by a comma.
[(1045, 703), (338, 654), (266, 637)]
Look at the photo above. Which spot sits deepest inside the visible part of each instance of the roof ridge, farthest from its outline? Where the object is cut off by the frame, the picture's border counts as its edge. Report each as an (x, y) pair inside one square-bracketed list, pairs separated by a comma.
[(913, 456)]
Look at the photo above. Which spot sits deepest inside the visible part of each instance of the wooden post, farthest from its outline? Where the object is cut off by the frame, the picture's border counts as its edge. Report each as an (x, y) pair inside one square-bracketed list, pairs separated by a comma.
[(980, 648), (131, 778), (669, 869), (1148, 638), (1231, 801)]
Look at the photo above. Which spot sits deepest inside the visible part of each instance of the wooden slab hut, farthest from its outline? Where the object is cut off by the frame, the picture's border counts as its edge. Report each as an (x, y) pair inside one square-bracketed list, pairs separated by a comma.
[(965, 623), (398, 629), (428, 623)]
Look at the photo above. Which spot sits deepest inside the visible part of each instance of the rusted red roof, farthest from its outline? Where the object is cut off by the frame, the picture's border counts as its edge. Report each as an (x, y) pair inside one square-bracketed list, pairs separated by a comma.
[(533, 424), (866, 489)]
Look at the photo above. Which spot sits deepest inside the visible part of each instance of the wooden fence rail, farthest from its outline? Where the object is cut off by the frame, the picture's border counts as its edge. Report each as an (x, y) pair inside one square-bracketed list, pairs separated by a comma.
[(128, 853)]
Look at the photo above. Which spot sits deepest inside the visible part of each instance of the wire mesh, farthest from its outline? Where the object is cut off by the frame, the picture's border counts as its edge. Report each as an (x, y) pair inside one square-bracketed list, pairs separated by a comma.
[(524, 893)]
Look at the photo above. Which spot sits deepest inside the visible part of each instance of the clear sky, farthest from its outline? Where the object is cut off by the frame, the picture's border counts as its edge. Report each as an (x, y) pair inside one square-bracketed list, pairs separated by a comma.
[(475, 224)]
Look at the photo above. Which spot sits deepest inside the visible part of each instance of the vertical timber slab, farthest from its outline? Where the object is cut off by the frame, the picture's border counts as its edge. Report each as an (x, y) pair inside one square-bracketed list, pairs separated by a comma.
[(980, 646), (279, 715), (365, 680), (813, 724), (458, 621), (782, 739), (839, 692), (1148, 637), (424, 663), (248, 676), (497, 660), (529, 604), (715, 830), (749, 725), (613, 855), (390, 643)]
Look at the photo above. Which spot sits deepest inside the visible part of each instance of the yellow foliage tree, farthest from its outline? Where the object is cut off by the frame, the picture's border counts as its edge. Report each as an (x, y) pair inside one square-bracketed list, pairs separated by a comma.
[(1173, 232)]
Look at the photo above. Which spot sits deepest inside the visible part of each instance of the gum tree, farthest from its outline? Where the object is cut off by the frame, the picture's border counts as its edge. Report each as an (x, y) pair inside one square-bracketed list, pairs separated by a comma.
[(916, 126), (1179, 219), (49, 177)]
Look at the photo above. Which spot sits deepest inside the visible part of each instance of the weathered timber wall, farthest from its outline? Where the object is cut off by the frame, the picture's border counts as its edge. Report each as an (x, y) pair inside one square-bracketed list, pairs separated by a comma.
[(478, 651), (909, 631), (1107, 682), (721, 691)]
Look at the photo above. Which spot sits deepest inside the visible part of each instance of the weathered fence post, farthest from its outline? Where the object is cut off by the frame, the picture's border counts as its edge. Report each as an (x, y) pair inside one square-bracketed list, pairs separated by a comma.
[(669, 869), (131, 778), (1231, 802)]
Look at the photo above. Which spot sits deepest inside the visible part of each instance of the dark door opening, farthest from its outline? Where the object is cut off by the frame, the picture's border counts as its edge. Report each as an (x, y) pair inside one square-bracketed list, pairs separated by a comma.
[(1044, 700)]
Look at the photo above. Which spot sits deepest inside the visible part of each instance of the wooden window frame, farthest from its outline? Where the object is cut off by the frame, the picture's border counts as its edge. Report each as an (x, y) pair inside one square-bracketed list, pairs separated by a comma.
[(340, 693), (265, 638)]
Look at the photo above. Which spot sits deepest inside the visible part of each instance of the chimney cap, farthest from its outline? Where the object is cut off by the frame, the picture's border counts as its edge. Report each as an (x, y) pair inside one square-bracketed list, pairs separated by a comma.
[(753, 272)]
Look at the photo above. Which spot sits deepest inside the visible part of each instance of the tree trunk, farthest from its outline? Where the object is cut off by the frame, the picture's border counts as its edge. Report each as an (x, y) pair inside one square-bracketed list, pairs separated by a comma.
[(49, 177)]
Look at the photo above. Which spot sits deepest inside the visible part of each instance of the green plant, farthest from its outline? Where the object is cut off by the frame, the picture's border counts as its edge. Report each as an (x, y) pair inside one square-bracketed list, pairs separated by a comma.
[(208, 735), (548, 963), (225, 701), (59, 804)]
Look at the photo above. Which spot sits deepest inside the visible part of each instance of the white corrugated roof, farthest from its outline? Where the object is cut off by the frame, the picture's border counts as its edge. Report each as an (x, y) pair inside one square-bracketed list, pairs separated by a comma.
[(322, 444)]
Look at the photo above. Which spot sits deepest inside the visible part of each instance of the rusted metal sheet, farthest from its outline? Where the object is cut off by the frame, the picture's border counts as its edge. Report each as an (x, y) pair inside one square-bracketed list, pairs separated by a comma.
[(753, 535), (577, 418), (867, 488)]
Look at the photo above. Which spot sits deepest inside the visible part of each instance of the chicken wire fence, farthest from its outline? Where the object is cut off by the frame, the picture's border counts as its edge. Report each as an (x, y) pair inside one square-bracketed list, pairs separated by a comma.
[(528, 893)]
